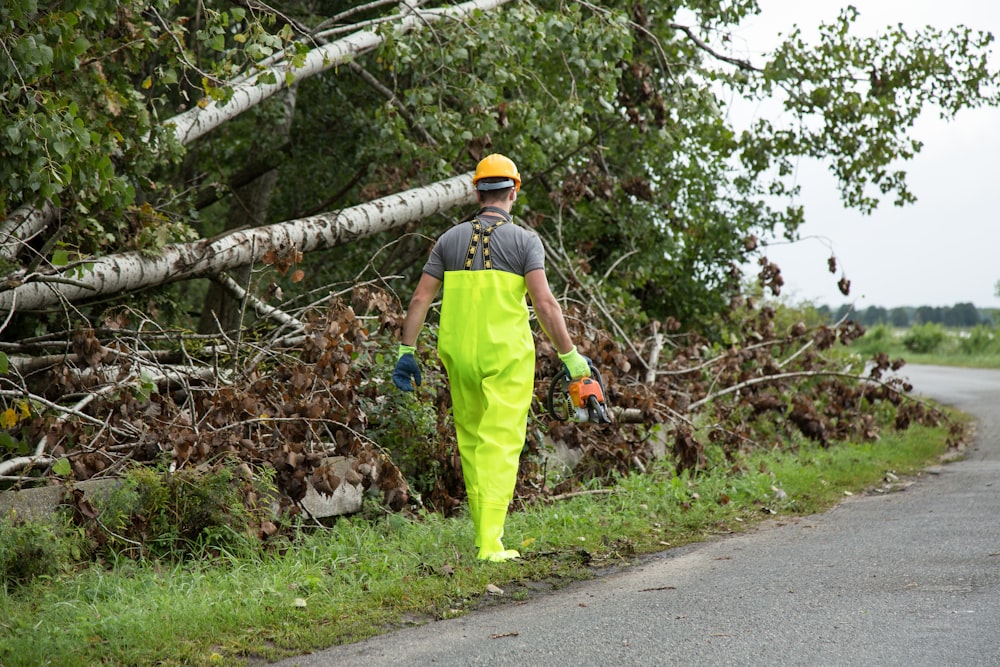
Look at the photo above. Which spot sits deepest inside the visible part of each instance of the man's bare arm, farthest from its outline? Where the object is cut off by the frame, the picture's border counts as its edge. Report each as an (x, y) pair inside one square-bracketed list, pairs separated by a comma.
[(547, 309), (420, 303)]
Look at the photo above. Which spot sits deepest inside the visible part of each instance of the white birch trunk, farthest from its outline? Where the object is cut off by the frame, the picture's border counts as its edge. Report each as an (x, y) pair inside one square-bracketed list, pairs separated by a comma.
[(127, 272), (197, 121)]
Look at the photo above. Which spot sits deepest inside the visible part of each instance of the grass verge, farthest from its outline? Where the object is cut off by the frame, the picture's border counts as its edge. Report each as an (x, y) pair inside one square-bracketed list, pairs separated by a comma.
[(366, 576)]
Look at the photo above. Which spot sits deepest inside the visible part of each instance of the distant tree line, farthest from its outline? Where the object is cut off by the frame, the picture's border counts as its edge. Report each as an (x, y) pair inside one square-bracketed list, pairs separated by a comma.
[(959, 315)]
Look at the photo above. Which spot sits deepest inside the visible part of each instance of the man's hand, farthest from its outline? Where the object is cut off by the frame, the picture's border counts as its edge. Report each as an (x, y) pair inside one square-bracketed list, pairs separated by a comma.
[(577, 365), (407, 372)]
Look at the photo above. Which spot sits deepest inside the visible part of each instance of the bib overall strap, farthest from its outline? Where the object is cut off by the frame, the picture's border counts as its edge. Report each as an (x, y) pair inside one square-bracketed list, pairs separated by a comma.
[(479, 233)]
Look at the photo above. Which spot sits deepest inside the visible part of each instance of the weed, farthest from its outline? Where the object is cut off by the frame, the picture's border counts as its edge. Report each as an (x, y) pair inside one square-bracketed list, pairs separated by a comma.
[(31, 549), (171, 515), (879, 338), (408, 427)]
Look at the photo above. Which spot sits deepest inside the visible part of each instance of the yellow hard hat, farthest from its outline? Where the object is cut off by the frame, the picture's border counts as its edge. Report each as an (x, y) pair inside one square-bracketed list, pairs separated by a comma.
[(497, 166)]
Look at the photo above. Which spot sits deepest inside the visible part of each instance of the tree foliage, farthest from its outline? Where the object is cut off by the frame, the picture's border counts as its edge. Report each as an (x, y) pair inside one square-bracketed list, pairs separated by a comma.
[(647, 198), (615, 113), (856, 99), (75, 116)]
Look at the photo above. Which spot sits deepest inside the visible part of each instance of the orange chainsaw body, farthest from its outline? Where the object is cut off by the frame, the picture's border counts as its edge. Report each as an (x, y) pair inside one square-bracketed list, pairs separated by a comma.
[(582, 389)]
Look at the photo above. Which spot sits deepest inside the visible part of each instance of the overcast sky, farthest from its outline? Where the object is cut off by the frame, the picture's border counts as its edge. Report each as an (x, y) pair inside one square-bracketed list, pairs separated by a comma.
[(940, 251)]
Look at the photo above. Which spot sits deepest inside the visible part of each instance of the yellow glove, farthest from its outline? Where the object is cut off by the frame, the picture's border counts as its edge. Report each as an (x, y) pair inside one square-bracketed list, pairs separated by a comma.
[(577, 365)]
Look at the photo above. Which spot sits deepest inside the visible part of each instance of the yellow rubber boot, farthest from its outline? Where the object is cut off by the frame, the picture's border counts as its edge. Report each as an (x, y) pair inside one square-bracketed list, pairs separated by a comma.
[(490, 533)]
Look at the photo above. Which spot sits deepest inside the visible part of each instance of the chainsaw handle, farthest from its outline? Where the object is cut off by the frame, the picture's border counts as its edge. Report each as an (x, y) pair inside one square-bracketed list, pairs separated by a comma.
[(562, 380)]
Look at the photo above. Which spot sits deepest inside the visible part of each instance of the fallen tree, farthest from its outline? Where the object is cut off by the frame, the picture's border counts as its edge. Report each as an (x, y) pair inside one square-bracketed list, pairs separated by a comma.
[(313, 383), (130, 272)]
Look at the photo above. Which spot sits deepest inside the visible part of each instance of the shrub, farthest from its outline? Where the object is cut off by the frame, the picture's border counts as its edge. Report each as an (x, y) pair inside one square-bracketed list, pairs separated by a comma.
[(35, 548), (879, 338), (924, 338), (979, 340), (190, 512), (407, 427)]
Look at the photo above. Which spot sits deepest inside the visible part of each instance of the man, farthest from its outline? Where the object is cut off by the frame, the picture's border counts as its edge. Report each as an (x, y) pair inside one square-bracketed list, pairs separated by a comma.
[(486, 267)]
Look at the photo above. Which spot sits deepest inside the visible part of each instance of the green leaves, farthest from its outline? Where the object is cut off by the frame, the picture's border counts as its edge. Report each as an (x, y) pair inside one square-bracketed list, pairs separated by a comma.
[(62, 468), (67, 108), (854, 100)]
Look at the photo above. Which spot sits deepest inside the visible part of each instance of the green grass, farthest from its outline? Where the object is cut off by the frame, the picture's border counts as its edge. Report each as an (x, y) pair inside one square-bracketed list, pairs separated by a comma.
[(366, 576), (958, 360)]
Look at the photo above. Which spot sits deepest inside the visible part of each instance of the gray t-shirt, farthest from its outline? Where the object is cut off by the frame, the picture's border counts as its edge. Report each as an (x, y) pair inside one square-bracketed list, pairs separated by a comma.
[(513, 249)]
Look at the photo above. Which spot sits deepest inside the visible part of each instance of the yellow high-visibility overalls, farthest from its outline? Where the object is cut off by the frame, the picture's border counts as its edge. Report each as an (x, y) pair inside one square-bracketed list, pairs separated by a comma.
[(485, 343)]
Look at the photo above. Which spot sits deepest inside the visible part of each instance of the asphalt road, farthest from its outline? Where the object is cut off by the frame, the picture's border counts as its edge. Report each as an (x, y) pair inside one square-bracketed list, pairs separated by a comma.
[(905, 578)]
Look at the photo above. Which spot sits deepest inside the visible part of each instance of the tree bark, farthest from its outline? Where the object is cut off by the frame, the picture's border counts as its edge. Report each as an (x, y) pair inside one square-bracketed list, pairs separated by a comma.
[(128, 272)]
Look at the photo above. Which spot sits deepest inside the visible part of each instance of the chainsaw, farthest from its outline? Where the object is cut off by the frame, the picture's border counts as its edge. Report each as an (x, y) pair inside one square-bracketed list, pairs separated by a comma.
[(580, 400)]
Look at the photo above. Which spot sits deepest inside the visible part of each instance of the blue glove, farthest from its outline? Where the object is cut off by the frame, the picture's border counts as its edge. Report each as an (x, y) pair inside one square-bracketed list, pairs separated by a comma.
[(406, 369), (577, 365)]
